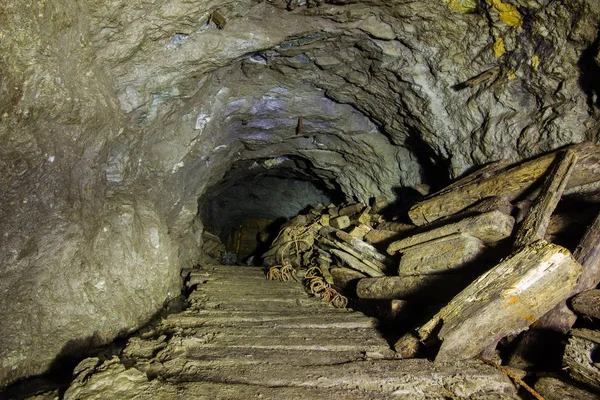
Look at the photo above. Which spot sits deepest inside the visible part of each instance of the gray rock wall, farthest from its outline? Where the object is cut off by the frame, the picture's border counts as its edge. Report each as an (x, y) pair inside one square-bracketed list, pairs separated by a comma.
[(116, 116)]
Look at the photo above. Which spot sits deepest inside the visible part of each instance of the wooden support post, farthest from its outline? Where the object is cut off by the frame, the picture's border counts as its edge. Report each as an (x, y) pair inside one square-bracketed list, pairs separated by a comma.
[(534, 226)]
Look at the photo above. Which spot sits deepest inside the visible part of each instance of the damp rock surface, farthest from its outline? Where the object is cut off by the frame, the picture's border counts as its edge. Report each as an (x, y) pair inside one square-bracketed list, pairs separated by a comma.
[(117, 116)]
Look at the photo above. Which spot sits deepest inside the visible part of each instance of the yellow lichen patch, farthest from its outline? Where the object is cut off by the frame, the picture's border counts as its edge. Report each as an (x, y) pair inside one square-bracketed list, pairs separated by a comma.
[(511, 75), (507, 12), (464, 6), (535, 62), (499, 47)]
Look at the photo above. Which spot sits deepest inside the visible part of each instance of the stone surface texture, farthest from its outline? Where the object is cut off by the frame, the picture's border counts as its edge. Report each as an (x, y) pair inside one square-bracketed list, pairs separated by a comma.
[(117, 116)]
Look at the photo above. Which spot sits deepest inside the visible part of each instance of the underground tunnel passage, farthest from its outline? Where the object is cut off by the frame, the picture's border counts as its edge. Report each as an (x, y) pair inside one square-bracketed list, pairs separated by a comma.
[(320, 198)]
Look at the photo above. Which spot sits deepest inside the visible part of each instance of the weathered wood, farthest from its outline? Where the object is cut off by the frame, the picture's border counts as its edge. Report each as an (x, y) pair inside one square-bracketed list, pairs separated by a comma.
[(512, 182), (561, 318), (340, 222), (587, 304), (363, 218), (395, 226), (504, 301), (354, 252), (534, 226), (360, 231), (379, 204), (579, 359), (433, 287), (355, 263), (588, 255), (489, 227), (556, 389), (484, 172), (377, 236), (364, 249), (351, 209), (441, 255), (345, 277), (493, 203)]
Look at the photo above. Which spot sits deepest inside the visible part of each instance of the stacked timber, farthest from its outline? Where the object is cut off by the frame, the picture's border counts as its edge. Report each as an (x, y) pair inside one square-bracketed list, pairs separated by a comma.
[(480, 251)]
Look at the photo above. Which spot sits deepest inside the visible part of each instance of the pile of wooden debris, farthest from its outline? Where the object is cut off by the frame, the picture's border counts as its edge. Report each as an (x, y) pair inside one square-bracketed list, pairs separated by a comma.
[(484, 252)]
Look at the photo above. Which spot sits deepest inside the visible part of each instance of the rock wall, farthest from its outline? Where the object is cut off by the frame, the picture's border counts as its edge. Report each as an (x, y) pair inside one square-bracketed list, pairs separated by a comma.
[(116, 116)]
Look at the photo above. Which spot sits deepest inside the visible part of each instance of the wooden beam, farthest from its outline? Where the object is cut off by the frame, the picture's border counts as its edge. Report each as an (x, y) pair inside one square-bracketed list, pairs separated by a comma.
[(535, 224), (489, 228), (446, 254), (433, 287), (587, 253), (503, 301), (512, 182)]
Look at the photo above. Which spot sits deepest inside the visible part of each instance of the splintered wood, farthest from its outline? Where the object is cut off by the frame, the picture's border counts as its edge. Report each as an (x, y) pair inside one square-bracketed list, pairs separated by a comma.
[(503, 301), (475, 261), (489, 227), (445, 254), (511, 182)]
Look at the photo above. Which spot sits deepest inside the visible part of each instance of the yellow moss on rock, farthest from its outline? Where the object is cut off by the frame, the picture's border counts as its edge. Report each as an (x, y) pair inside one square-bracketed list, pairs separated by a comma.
[(499, 47), (464, 6), (535, 62), (507, 12)]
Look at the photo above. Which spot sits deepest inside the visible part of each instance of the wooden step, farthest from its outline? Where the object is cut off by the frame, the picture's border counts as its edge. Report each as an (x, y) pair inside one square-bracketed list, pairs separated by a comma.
[(395, 377)]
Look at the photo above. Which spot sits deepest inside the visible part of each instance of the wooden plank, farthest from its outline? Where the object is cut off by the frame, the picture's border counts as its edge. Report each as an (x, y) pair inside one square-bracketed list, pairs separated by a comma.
[(341, 222), (403, 379), (488, 204), (489, 227), (484, 172), (377, 236), (360, 231), (512, 182), (579, 358), (587, 253), (441, 255), (358, 250), (397, 227), (504, 301), (351, 209), (431, 287), (355, 263), (363, 248), (534, 226), (345, 277)]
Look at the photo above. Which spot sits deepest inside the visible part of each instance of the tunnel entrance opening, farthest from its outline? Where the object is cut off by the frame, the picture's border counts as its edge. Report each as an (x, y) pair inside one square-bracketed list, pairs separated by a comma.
[(255, 198)]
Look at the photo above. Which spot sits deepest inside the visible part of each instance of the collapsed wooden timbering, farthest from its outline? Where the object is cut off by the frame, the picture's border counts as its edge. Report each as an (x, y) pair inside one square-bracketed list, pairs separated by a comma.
[(478, 252)]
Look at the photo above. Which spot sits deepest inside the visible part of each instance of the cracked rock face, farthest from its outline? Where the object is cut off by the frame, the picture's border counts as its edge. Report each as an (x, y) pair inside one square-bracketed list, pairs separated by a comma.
[(117, 116)]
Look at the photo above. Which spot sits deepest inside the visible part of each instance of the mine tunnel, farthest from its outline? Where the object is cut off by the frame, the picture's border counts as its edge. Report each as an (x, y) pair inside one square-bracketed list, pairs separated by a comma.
[(161, 159)]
